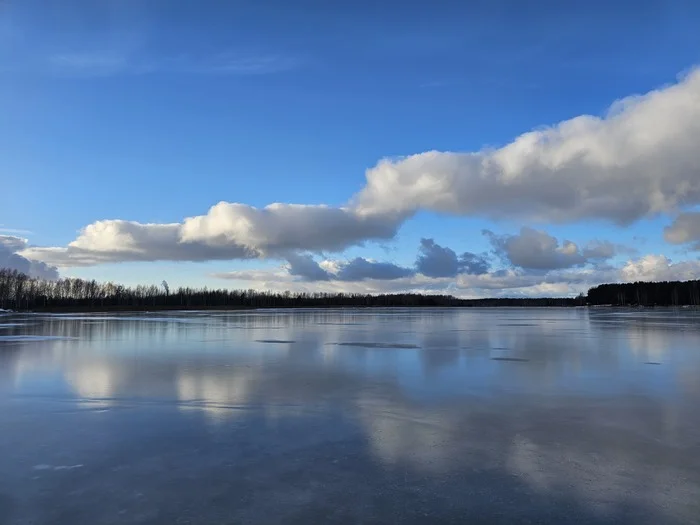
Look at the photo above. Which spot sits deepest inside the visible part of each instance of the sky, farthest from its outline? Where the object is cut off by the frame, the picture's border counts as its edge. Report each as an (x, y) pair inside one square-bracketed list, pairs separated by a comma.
[(481, 148)]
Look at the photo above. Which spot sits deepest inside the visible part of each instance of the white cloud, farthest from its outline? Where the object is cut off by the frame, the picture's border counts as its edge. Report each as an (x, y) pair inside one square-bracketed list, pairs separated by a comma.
[(118, 241), (659, 268), (304, 268), (508, 282), (439, 266), (371, 282), (433, 261), (10, 258), (227, 231), (278, 227), (640, 159), (15, 231), (511, 282), (11, 244)]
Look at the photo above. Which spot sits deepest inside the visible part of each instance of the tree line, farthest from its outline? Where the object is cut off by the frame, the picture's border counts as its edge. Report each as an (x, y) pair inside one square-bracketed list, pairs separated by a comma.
[(664, 293), (18, 291), (21, 292)]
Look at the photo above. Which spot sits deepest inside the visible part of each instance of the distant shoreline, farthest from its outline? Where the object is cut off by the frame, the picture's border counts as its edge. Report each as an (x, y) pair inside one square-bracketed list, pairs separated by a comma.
[(126, 309), (22, 293)]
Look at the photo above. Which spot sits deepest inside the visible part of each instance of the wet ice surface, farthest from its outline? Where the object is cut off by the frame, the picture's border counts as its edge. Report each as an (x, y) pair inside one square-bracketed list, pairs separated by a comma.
[(351, 416)]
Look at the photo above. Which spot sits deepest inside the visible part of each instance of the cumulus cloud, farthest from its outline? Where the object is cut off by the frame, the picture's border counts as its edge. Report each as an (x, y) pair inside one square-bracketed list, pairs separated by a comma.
[(281, 227), (545, 268), (361, 269), (280, 280), (518, 282), (500, 283), (684, 229), (505, 282), (9, 258), (306, 268), (659, 268), (510, 282), (11, 244), (640, 159), (440, 261), (302, 268), (537, 250), (450, 274), (227, 231), (562, 282), (433, 261)]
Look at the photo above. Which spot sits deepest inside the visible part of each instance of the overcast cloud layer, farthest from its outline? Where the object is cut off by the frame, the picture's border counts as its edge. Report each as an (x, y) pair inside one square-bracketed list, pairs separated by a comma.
[(639, 160)]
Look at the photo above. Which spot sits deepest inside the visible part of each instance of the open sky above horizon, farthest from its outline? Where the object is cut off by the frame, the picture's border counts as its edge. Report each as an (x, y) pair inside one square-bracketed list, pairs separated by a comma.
[(482, 148)]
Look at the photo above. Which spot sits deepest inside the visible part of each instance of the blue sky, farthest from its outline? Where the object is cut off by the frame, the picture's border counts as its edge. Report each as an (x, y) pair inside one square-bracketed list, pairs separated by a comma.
[(155, 111)]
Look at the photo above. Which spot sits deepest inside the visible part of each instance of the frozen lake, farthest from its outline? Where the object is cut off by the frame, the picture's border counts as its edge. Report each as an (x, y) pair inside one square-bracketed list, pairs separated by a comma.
[(351, 416)]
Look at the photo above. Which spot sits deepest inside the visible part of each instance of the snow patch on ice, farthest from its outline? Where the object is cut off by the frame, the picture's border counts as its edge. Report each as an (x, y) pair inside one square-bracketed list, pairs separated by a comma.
[(56, 467)]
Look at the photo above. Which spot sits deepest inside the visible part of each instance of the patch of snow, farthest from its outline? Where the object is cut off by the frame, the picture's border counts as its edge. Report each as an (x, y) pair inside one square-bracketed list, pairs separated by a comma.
[(56, 467)]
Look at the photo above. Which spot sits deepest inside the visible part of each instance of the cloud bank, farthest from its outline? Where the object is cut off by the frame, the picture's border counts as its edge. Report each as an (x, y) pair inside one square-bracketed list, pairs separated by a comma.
[(306, 269), (659, 268), (550, 268), (10, 258), (433, 261), (638, 160), (505, 282)]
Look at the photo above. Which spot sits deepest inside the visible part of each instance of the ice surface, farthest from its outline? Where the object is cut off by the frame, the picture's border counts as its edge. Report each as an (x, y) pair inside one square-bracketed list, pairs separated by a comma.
[(546, 416), (30, 338), (370, 344)]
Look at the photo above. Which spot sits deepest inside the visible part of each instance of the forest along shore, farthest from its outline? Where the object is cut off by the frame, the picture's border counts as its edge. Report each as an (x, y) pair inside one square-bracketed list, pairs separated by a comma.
[(23, 293)]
